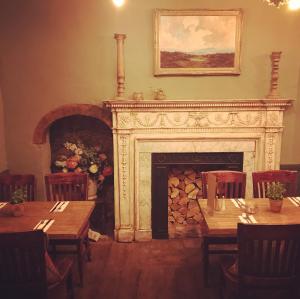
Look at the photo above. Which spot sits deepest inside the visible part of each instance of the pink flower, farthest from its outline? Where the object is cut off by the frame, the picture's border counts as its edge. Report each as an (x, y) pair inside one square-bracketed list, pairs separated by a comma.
[(78, 170), (101, 178), (102, 157), (107, 171)]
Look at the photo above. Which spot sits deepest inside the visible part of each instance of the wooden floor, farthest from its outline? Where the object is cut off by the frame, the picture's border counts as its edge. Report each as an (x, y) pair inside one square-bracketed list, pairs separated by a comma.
[(159, 269)]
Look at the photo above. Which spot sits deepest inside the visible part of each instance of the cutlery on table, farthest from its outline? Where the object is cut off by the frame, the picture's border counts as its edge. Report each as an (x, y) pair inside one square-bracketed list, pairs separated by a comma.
[(55, 206), (59, 206), (297, 200), (43, 224), (246, 217), (293, 201)]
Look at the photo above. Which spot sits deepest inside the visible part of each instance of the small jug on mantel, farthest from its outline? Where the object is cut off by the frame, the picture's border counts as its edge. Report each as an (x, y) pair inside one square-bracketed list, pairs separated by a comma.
[(159, 95)]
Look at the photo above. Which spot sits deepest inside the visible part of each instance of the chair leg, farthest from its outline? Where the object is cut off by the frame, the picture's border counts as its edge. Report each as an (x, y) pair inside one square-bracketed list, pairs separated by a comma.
[(205, 261), (88, 249), (70, 286), (80, 262)]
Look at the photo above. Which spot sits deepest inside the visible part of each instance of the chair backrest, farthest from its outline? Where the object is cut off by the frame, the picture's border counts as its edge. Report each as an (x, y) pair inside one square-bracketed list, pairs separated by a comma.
[(11, 182), (22, 265), (261, 179), (230, 184), (268, 255), (66, 186)]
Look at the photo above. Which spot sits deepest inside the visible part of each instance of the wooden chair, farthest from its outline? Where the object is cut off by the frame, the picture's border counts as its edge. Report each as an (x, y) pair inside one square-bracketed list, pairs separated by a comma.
[(230, 184), (268, 260), (68, 187), (25, 267), (261, 179), (10, 182)]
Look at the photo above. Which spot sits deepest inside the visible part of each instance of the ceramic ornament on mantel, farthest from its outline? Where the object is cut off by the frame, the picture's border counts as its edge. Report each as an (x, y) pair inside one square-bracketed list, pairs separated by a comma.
[(159, 95), (274, 93)]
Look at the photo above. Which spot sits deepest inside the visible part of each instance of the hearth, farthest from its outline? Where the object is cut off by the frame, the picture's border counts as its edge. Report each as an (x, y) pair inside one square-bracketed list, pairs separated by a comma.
[(194, 164)]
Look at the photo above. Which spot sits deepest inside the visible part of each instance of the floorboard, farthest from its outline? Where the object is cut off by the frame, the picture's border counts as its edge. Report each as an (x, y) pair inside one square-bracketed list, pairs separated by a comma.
[(159, 269)]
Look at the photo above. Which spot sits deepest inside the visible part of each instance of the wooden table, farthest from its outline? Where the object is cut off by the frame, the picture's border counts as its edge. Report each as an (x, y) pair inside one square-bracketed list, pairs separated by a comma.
[(67, 225), (221, 227), (224, 223)]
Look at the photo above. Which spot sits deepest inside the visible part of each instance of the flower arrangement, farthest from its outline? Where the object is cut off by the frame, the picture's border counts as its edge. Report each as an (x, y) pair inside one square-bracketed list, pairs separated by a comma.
[(87, 159), (275, 191)]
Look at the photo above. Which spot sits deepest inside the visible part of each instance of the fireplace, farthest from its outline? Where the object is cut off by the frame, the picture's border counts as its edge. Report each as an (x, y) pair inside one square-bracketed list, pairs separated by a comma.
[(143, 128), (161, 165)]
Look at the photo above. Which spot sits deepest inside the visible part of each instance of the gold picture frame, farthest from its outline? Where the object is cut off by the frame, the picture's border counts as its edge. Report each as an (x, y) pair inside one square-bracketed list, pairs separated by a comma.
[(197, 42)]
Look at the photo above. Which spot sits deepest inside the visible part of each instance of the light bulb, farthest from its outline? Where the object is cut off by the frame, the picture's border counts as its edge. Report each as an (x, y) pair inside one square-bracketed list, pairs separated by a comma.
[(294, 4), (118, 3)]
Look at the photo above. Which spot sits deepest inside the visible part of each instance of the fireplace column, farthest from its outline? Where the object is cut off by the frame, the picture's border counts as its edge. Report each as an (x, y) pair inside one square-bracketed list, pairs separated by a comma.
[(124, 214), (273, 134)]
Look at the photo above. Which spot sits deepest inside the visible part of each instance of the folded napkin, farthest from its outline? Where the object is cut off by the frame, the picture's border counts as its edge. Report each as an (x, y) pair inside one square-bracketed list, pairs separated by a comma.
[(44, 224), (247, 219), (241, 200), (2, 204), (293, 201), (235, 203), (252, 219), (61, 206), (242, 219)]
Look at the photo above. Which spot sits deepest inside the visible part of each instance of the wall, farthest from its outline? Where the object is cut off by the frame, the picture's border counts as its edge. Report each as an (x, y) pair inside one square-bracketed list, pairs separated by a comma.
[(3, 162), (57, 52)]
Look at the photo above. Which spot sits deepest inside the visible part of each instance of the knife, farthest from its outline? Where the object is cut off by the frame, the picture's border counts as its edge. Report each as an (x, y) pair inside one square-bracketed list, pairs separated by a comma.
[(54, 207), (59, 206)]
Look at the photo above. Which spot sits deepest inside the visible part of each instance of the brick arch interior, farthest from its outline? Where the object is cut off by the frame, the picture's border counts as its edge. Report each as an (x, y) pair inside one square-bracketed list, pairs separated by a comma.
[(41, 130)]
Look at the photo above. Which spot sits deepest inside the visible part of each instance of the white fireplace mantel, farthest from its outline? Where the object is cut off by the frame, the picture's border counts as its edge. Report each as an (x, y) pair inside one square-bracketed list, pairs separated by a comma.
[(140, 128)]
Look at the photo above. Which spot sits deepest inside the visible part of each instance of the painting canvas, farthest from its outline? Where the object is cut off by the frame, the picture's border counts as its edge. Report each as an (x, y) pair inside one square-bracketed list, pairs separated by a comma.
[(197, 42)]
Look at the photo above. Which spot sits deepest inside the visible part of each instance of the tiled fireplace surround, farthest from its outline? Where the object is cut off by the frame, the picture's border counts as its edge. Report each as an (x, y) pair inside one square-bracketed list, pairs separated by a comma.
[(141, 128)]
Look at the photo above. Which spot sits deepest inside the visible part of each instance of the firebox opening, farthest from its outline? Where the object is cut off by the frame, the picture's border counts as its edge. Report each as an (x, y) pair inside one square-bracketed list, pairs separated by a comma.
[(176, 186)]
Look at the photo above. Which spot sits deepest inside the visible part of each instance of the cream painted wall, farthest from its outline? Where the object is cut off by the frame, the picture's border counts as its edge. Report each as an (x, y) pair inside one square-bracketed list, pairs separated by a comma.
[(56, 52), (3, 162)]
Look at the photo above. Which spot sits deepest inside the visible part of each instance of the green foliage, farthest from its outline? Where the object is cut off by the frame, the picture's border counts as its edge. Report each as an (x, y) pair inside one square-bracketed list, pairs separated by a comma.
[(275, 191), (18, 196)]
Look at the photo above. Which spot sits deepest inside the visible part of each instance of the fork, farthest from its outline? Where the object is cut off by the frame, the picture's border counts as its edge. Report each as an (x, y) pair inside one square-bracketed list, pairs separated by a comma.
[(246, 217)]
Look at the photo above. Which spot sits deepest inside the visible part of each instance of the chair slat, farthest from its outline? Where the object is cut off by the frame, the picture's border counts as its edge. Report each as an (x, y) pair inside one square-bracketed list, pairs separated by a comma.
[(261, 180)]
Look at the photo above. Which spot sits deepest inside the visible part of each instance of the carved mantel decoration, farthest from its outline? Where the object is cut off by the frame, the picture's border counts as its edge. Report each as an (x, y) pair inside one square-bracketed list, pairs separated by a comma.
[(141, 128)]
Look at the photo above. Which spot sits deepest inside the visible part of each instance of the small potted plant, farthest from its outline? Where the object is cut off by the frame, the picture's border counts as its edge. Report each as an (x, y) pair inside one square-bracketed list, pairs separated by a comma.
[(16, 201), (275, 192)]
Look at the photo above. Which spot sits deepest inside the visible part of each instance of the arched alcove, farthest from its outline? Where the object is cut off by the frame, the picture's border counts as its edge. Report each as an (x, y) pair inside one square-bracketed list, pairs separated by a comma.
[(41, 130), (89, 123)]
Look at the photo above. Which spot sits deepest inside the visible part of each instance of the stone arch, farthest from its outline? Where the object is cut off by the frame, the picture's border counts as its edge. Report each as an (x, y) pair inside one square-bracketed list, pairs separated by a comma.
[(40, 132)]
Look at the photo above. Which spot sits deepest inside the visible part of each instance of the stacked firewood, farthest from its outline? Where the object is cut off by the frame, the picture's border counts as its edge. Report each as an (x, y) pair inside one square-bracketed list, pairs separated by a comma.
[(184, 188)]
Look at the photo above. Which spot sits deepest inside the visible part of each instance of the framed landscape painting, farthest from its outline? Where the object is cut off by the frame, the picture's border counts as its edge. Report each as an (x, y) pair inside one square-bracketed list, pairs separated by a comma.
[(197, 42)]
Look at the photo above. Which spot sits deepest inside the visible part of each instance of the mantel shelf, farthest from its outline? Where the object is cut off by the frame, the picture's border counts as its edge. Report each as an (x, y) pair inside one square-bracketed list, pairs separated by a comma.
[(281, 103)]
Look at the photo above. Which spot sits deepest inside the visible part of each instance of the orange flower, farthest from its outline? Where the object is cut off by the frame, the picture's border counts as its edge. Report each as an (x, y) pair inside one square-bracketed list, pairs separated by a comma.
[(71, 163), (78, 170), (107, 171)]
